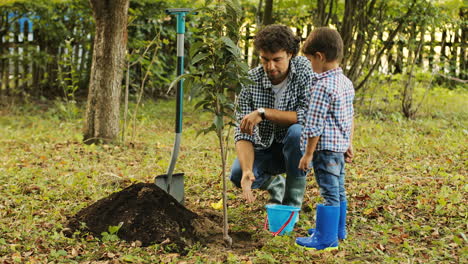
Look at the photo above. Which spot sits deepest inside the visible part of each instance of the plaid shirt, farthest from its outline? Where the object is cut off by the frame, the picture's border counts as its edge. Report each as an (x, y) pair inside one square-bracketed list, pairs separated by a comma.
[(330, 112), (260, 94)]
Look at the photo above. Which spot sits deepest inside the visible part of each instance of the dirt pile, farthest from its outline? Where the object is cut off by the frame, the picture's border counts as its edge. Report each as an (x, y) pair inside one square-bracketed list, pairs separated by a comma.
[(148, 214)]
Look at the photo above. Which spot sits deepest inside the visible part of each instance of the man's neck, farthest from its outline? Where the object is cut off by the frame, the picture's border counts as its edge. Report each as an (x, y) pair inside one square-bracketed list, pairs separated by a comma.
[(278, 81), (328, 66)]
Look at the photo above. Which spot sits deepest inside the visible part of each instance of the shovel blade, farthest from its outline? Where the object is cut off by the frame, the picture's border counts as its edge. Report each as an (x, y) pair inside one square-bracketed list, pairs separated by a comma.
[(177, 185)]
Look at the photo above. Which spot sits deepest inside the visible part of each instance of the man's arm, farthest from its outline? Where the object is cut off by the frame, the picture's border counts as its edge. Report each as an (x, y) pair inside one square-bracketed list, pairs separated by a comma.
[(285, 118), (246, 156)]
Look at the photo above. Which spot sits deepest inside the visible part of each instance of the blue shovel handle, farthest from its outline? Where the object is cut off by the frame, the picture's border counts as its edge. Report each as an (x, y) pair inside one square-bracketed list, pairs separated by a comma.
[(180, 13)]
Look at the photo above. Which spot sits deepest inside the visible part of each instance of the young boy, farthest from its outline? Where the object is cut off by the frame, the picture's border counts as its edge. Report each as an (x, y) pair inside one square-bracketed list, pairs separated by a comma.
[(326, 137)]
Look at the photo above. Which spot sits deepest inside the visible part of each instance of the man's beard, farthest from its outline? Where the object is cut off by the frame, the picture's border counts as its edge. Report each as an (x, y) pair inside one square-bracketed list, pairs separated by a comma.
[(275, 79)]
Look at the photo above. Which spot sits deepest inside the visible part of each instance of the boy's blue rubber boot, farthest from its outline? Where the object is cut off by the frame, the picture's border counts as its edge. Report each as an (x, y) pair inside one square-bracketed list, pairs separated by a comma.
[(326, 232), (341, 224)]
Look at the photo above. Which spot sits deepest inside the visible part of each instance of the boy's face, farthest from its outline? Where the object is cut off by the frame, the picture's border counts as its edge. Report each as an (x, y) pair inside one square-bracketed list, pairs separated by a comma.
[(276, 65), (317, 61)]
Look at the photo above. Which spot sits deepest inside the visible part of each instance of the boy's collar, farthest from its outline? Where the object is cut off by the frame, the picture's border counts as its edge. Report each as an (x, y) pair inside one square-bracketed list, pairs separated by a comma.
[(318, 76)]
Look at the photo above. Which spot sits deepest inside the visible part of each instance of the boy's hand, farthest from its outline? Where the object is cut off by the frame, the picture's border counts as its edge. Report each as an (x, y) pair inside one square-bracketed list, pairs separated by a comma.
[(305, 161), (349, 154), (246, 183)]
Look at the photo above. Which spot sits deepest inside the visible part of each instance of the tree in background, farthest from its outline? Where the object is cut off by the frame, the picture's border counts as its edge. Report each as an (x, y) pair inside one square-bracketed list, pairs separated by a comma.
[(105, 85)]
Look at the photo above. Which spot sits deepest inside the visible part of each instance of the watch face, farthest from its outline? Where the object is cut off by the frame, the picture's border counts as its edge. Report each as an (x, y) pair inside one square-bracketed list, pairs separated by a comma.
[(261, 111)]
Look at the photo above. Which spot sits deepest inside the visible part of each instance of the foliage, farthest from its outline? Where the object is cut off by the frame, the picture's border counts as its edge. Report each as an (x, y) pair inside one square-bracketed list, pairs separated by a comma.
[(68, 75), (53, 24), (111, 235), (218, 71), (61, 20), (406, 187)]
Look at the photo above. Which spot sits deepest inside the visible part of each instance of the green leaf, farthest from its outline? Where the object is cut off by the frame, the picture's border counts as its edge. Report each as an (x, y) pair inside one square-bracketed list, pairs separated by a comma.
[(206, 130), (176, 80), (222, 99), (132, 259), (218, 122), (115, 229), (232, 47), (199, 57), (194, 48), (242, 65)]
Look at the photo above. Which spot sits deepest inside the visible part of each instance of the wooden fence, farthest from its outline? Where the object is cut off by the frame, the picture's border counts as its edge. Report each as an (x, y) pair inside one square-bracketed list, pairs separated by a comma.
[(30, 62)]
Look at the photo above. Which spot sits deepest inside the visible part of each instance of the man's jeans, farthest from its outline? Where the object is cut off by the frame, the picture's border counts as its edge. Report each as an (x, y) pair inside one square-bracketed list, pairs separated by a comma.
[(277, 159), (329, 168)]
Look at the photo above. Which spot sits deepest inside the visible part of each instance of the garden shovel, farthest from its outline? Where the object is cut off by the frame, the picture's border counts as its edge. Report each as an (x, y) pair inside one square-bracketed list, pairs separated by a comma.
[(174, 183)]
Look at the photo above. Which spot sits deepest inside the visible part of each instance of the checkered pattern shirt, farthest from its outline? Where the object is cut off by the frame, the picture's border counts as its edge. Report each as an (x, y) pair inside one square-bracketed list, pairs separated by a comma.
[(330, 112), (260, 94)]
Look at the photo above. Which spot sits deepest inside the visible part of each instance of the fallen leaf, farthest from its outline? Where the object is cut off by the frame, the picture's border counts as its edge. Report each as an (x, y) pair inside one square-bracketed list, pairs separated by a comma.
[(380, 247), (368, 211), (218, 205)]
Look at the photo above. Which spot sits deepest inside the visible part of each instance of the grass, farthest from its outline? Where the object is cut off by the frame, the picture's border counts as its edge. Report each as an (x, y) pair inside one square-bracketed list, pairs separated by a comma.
[(407, 187)]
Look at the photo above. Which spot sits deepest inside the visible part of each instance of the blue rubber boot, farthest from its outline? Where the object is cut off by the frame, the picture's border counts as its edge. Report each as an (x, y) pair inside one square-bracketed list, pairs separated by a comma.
[(342, 221), (341, 224), (326, 232)]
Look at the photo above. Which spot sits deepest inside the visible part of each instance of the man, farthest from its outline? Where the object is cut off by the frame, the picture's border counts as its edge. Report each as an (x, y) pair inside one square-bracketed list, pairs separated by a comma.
[(271, 115)]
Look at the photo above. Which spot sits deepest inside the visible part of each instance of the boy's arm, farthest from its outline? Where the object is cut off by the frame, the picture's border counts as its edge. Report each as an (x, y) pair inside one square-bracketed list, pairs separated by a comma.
[(309, 153), (349, 154)]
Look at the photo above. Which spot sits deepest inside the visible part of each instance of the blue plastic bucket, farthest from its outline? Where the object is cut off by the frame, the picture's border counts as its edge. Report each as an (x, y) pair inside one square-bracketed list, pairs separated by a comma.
[(281, 217)]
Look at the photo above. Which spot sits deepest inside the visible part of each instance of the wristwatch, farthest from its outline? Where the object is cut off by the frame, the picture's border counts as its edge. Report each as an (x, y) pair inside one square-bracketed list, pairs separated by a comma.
[(261, 111)]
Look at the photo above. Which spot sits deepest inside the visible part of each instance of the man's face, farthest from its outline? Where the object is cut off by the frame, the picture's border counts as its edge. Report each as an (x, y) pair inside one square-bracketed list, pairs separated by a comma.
[(276, 65)]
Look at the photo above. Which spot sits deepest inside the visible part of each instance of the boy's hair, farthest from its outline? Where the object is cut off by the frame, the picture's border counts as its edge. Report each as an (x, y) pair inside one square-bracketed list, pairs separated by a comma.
[(325, 40), (274, 38)]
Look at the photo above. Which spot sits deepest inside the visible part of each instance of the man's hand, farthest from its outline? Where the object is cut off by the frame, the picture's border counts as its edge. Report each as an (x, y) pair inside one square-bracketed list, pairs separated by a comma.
[(249, 122), (246, 183), (349, 154), (305, 161)]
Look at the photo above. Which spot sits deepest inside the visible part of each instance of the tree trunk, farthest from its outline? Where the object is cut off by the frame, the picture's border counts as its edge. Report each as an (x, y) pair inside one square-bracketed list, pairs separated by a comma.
[(454, 54), (408, 91), (431, 49), (268, 13), (259, 15), (442, 55), (102, 111), (463, 39), (322, 16)]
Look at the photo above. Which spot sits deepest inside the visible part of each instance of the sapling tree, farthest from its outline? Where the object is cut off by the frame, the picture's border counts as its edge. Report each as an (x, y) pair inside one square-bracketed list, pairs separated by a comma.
[(218, 71)]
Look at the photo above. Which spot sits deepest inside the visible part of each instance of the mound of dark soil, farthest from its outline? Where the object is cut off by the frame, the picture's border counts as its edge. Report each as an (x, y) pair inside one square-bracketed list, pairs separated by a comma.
[(148, 214)]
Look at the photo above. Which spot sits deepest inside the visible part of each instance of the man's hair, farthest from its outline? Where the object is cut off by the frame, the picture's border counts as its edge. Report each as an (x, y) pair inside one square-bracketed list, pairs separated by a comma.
[(325, 40), (274, 38)]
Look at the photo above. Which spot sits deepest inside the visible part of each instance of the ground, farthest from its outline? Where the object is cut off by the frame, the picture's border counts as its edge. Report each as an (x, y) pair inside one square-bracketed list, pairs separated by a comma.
[(147, 215), (407, 188)]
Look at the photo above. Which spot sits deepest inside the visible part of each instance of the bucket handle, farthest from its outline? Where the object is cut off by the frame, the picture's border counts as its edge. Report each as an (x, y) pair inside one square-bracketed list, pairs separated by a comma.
[(281, 229)]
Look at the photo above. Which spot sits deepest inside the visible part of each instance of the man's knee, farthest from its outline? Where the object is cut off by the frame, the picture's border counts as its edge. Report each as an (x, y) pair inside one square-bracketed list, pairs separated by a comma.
[(293, 136), (236, 173)]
